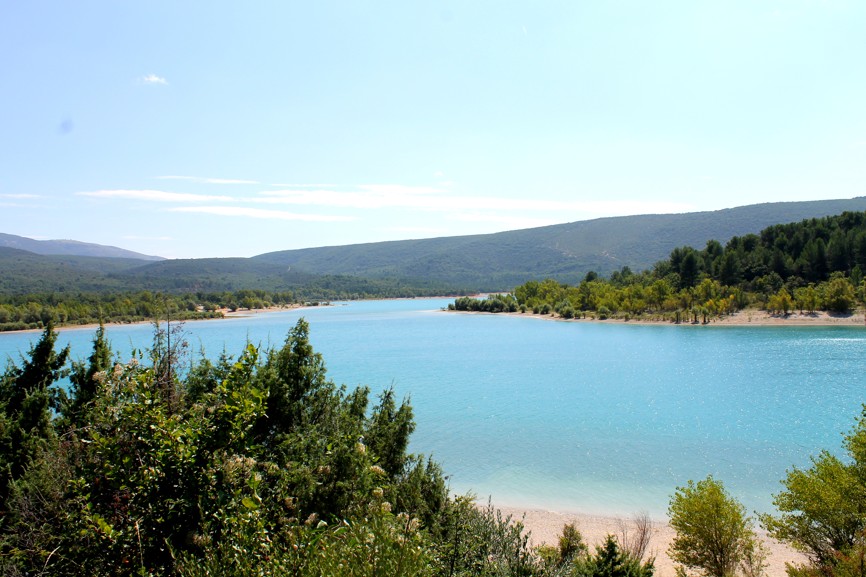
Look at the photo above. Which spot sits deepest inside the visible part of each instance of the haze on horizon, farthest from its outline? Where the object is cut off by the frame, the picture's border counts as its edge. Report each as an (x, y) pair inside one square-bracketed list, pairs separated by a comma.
[(189, 130)]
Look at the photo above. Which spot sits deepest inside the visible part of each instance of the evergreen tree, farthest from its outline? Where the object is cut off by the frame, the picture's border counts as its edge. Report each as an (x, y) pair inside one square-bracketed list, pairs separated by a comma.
[(26, 397), (84, 379)]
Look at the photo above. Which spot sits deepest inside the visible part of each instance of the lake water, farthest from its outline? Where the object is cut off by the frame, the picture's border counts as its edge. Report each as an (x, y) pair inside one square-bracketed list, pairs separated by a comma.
[(592, 417)]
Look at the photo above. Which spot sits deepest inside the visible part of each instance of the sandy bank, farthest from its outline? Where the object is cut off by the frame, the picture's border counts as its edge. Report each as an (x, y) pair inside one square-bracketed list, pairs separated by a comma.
[(227, 314), (749, 317), (546, 526)]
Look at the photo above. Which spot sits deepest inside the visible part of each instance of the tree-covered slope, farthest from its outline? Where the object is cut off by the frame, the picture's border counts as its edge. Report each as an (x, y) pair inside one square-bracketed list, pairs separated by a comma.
[(564, 252), (488, 262), (27, 272)]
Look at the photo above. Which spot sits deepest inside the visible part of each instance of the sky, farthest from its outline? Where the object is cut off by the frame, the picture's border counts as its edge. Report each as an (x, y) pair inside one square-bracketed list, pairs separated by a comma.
[(203, 129)]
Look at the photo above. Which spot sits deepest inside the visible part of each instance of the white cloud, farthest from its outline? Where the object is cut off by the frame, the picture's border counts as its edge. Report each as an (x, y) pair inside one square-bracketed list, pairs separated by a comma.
[(155, 195), (399, 189), (261, 213), (206, 180), (376, 196), (365, 196), (153, 79)]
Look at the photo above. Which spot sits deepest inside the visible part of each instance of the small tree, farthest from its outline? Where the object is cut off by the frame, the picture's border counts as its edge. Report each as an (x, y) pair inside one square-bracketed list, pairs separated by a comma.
[(610, 560), (26, 395), (821, 510), (714, 535), (570, 543)]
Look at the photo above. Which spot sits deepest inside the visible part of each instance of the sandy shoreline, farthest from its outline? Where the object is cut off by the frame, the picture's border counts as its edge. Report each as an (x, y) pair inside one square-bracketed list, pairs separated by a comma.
[(546, 526), (748, 317), (227, 314), (744, 318)]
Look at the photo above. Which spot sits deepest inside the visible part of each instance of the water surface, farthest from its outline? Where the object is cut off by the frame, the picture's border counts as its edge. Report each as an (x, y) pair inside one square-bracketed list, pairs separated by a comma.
[(602, 418)]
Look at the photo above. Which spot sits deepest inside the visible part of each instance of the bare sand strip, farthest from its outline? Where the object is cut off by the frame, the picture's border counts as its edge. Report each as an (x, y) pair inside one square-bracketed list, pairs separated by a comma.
[(744, 318), (546, 526)]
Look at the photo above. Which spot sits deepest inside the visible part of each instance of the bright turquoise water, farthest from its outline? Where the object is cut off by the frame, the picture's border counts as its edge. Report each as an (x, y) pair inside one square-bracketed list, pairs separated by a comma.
[(605, 418)]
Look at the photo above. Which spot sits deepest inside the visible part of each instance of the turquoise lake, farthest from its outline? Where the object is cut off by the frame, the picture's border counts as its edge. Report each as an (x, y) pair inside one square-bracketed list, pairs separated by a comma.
[(590, 417)]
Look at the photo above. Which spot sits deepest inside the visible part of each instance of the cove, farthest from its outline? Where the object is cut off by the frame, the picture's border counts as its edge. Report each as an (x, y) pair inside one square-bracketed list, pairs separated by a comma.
[(590, 417)]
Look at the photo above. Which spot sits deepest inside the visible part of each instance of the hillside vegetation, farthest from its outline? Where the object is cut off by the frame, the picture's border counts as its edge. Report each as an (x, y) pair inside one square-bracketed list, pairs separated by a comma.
[(816, 264), (451, 265), (565, 252)]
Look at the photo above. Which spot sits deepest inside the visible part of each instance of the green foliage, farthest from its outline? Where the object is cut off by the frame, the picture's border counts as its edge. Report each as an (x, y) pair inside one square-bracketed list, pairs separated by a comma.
[(611, 561), (388, 433), (571, 544), (822, 508), (84, 380), (571, 558), (714, 535), (455, 265), (838, 295), (235, 468), (784, 267), (481, 542), (26, 397), (495, 303)]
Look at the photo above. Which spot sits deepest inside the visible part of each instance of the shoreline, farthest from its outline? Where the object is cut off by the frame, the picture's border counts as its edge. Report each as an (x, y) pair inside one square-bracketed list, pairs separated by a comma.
[(240, 313), (227, 314), (545, 527), (743, 318)]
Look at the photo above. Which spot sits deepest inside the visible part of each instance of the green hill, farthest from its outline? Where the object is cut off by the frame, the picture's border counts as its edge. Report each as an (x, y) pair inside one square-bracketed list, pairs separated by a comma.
[(565, 252), (488, 262)]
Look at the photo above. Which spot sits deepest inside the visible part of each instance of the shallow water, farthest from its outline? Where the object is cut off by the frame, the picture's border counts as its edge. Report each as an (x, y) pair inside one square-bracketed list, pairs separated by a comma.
[(601, 418)]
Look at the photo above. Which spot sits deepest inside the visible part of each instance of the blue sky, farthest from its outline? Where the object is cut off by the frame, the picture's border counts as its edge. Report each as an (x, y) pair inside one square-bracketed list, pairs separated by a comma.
[(196, 129)]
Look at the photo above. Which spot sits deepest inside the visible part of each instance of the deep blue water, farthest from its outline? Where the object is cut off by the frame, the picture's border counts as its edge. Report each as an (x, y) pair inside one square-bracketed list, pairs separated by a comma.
[(595, 417)]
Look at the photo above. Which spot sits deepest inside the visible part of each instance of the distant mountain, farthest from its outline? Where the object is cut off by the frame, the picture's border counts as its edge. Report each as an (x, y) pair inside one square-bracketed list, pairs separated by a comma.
[(564, 251), (486, 262), (27, 272), (70, 247)]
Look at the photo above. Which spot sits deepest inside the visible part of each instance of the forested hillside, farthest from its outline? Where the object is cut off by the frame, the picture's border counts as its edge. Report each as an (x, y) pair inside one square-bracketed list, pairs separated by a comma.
[(466, 264), (816, 264), (565, 252)]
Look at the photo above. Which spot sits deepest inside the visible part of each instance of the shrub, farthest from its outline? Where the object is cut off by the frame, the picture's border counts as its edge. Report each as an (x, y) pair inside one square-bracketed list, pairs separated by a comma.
[(714, 535)]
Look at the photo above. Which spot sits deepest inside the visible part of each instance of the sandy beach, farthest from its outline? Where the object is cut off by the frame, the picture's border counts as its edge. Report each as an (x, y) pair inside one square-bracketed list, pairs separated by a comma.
[(747, 317), (546, 526)]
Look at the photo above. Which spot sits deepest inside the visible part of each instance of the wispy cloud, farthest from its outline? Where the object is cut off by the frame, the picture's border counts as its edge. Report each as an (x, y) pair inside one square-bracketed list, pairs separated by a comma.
[(367, 196), (206, 180), (377, 196), (155, 195), (153, 79), (399, 189), (19, 196), (243, 211)]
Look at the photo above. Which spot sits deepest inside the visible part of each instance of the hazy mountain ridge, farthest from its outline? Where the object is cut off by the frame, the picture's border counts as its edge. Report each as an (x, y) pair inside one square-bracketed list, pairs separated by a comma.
[(563, 251), (484, 262), (70, 248)]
